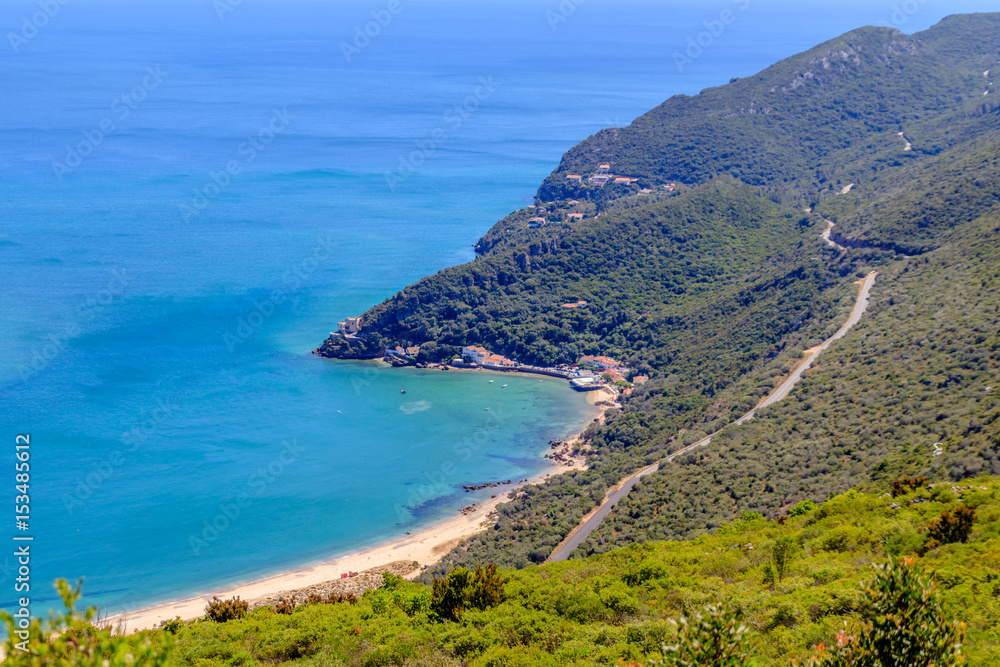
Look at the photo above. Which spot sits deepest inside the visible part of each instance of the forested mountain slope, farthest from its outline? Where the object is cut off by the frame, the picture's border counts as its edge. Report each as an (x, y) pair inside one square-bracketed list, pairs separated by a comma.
[(716, 285), (921, 370), (810, 124)]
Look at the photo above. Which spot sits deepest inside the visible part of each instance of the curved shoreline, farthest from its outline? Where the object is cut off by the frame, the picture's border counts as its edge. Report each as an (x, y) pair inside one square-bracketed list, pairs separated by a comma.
[(425, 546)]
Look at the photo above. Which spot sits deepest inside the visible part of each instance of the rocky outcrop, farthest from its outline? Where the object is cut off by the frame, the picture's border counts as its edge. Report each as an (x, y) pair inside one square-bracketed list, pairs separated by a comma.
[(353, 347)]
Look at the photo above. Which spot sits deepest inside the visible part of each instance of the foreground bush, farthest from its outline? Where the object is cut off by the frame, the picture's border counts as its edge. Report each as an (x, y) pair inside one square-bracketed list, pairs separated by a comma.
[(71, 639), (462, 590), (615, 608), (950, 527), (906, 626), (221, 611), (713, 637)]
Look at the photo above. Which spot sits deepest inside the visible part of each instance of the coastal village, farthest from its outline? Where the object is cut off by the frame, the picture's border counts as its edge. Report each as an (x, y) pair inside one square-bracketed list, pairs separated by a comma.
[(590, 373)]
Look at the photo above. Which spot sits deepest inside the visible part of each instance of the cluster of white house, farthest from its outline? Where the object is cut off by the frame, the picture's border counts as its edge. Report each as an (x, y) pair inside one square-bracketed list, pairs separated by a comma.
[(602, 176), (480, 355), (403, 352), (588, 375), (618, 372)]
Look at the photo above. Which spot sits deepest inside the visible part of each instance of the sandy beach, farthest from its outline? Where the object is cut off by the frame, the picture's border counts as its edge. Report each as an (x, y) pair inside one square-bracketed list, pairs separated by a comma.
[(425, 547)]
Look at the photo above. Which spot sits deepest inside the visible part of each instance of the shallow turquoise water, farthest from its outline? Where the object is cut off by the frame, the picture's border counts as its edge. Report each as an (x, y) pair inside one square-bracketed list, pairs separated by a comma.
[(160, 361)]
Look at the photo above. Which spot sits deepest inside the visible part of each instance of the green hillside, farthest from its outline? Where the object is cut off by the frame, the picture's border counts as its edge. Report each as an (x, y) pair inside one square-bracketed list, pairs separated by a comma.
[(708, 273), (921, 369), (808, 125), (715, 287), (794, 583)]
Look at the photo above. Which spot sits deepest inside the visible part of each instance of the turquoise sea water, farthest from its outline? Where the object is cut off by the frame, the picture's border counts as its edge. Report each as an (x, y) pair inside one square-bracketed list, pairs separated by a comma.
[(189, 203)]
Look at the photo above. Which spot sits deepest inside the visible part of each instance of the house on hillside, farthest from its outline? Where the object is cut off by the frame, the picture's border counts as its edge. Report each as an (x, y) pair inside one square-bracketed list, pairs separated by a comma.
[(574, 177), (535, 223), (604, 169), (575, 216), (572, 203)]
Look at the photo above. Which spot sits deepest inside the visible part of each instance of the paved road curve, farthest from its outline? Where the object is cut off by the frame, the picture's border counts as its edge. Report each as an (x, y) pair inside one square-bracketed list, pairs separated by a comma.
[(582, 532)]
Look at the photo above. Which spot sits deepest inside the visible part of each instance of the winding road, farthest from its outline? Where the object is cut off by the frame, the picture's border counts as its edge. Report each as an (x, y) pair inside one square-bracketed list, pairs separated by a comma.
[(826, 236), (596, 516)]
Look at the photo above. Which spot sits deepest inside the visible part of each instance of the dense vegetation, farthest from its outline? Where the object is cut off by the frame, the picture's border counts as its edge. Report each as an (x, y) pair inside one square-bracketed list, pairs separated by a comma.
[(921, 370), (810, 124), (849, 575), (714, 289)]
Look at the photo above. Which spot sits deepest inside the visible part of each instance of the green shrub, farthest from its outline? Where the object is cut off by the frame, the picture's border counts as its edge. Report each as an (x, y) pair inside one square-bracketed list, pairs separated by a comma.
[(950, 527), (173, 626), (462, 590), (784, 615), (901, 487), (903, 544), (487, 588), (837, 539), (71, 640), (784, 547), (643, 571), (905, 626), (222, 611), (767, 574), (619, 599), (714, 637), (449, 595), (803, 507)]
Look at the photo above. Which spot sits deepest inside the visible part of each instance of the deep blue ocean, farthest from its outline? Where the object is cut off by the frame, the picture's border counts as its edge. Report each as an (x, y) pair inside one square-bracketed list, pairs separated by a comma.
[(193, 193)]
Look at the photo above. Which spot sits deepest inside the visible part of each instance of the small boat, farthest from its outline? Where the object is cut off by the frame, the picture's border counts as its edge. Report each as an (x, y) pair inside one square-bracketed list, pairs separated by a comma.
[(491, 381), (403, 392), (504, 386), (487, 408)]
